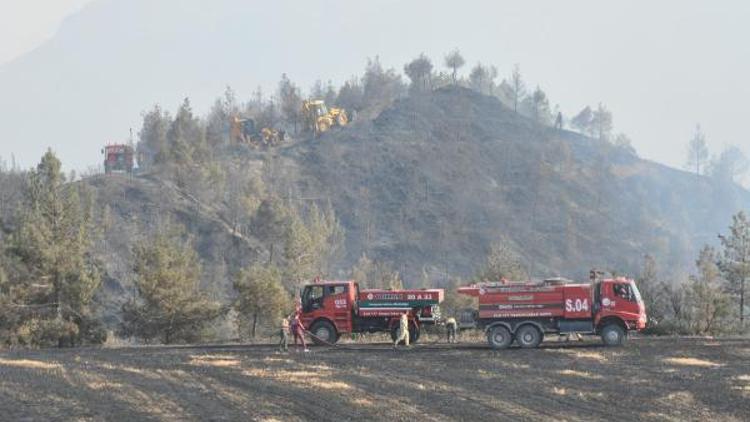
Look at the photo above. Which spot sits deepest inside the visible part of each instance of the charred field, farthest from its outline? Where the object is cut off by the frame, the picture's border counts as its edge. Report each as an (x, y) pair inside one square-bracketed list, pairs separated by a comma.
[(648, 378)]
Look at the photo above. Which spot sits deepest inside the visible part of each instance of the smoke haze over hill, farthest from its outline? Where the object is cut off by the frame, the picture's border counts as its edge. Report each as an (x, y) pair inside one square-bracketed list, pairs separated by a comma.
[(88, 85)]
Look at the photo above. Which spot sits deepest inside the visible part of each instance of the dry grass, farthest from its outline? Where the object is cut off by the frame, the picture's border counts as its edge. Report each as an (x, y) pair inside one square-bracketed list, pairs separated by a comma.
[(215, 361), (309, 379), (692, 362), (582, 354), (30, 364), (580, 374)]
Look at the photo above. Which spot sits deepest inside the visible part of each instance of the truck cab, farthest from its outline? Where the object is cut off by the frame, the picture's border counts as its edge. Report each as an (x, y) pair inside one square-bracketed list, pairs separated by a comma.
[(327, 308), (619, 299)]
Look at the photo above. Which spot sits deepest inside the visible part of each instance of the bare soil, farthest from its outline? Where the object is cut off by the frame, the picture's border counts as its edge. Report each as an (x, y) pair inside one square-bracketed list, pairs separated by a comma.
[(649, 378)]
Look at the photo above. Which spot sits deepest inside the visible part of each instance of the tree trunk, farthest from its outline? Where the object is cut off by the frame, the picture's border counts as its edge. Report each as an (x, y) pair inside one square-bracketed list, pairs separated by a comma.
[(742, 303)]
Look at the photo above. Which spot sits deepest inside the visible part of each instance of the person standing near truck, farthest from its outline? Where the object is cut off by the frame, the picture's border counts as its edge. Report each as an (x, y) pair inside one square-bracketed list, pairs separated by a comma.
[(451, 326), (299, 332), (403, 331), (284, 335)]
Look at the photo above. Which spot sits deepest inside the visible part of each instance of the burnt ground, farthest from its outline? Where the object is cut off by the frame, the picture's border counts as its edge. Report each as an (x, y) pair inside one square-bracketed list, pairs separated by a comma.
[(649, 378)]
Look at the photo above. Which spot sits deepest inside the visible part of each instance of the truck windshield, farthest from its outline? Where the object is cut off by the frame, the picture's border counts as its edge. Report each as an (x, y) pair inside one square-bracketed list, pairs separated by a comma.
[(636, 293)]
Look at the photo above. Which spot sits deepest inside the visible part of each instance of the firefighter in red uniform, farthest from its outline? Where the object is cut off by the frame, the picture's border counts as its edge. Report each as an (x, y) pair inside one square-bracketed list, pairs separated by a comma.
[(299, 332)]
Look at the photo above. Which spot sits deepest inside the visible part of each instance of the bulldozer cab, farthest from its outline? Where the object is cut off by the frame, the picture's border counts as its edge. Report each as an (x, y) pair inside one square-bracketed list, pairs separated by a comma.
[(320, 109), (248, 127)]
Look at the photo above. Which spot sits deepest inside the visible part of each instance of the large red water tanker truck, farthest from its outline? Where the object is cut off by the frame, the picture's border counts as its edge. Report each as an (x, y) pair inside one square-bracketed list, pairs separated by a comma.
[(525, 312)]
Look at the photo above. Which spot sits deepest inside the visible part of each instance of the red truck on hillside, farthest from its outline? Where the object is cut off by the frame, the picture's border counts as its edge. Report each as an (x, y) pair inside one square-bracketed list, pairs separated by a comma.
[(330, 309), (118, 158), (525, 312)]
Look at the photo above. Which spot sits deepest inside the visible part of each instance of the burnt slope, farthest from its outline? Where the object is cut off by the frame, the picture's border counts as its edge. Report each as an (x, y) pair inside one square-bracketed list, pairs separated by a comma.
[(435, 179)]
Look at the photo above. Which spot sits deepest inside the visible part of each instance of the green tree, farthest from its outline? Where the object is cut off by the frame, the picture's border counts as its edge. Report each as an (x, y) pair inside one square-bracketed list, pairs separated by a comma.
[(187, 143), (419, 71), (482, 78), (730, 166), (290, 100), (217, 126), (652, 291), (170, 304), (153, 147), (311, 244), (455, 302), (709, 304), (270, 223), (735, 259), (454, 61), (375, 275), (583, 120), (517, 87), (380, 86), (53, 248), (601, 122), (502, 263), (351, 96), (697, 152), (536, 106), (261, 296)]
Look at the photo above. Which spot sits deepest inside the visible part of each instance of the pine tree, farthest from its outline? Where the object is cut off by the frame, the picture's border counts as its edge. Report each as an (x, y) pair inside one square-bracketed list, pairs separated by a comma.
[(170, 304), (517, 87), (153, 147), (454, 60), (735, 259), (652, 291), (583, 120), (53, 245), (290, 100), (419, 71), (601, 122), (261, 296), (697, 152), (708, 301), (502, 263)]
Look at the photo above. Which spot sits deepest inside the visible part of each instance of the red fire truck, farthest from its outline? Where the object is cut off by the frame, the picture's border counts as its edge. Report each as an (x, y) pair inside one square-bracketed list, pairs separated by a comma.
[(118, 157), (524, 312), (330, 309)]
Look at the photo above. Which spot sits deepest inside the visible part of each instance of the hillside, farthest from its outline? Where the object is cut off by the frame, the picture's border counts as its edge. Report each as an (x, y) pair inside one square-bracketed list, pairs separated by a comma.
[(434, 180), (135, 206)]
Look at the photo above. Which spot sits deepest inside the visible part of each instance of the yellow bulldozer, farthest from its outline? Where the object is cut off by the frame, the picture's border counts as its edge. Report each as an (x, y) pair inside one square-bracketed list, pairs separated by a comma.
[(244, 131), (319, 118)]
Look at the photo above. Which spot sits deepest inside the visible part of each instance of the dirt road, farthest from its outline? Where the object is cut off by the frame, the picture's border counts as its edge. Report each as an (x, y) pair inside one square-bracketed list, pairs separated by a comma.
[(650, 378)]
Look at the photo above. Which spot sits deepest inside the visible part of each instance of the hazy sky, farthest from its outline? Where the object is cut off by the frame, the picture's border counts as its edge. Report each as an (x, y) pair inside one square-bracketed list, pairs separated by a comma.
[(660, 66), (24, 24)]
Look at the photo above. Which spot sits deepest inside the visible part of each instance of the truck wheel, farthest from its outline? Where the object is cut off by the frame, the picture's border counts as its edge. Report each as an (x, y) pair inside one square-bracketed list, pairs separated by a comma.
[(413, 334), (613, 335), (528, 337), (499, 337), (324, 333)]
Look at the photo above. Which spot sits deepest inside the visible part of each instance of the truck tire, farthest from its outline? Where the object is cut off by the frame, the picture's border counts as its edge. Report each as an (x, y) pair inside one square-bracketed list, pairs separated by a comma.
[(499, 337), (528, 336), (324, 333), (613, 335)]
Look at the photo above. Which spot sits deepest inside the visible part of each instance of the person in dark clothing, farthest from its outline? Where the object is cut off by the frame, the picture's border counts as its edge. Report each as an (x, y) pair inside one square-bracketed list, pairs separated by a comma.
[(451, 327), (559, 121)]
